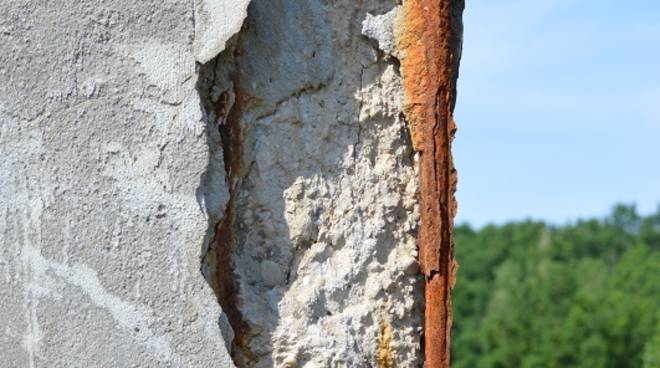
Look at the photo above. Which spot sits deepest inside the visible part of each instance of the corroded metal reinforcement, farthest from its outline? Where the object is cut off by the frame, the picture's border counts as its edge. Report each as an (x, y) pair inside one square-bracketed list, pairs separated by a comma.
[(224, 241), (226, 111), (430, 38)]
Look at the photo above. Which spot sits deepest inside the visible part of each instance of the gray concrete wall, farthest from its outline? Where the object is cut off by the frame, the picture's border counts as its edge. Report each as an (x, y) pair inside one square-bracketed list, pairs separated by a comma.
[(103, 148), (149, 144)]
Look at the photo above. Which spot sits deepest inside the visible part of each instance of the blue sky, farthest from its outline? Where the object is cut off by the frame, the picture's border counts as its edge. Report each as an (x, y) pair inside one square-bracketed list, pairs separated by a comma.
[(558, 109)]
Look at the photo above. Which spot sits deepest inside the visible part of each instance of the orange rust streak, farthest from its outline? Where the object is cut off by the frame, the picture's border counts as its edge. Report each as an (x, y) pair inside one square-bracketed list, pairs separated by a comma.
[(225, 242), (428, 71), (436, 340)]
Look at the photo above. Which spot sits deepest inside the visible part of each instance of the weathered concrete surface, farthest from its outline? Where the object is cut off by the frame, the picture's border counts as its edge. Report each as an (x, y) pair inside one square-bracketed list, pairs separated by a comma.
[(103, 147), (216, 21), (321, 226), (281, 164)]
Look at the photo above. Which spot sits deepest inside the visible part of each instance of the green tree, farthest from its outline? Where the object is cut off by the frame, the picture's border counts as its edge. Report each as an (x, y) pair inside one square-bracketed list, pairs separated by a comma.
[(581, 295)]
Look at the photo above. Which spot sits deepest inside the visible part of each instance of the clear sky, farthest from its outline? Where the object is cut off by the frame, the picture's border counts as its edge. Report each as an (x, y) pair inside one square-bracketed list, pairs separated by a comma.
[(558, 109)]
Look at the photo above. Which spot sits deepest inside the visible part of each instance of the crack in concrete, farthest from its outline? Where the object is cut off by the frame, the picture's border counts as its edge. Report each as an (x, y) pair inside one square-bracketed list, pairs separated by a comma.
[(227, 106), (224, 111)]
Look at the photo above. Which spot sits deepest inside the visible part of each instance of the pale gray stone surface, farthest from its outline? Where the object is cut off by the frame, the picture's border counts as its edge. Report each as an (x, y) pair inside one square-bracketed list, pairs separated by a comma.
[(326, 211), (381, 28), (215, 22), (103, 147)]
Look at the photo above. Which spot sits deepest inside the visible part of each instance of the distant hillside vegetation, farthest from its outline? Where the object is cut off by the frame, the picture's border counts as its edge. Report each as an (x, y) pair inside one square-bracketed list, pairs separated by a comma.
[(583, 295)]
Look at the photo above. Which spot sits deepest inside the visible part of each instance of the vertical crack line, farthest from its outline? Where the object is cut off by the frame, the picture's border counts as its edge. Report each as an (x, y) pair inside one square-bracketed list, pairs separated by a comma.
[(225, 239), (359, 117), (430, 70), (224, 111)]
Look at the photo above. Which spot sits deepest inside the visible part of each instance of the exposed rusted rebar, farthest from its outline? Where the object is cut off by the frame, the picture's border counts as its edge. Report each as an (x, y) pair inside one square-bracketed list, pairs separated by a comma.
[(430, 39)]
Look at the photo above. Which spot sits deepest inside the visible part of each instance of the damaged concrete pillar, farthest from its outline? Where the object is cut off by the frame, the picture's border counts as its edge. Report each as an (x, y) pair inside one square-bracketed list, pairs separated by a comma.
[(227, 183)]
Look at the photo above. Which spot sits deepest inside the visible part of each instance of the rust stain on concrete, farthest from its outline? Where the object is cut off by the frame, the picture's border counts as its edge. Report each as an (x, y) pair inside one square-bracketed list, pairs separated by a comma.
[(429, 36), (385, 356), (224, 242)]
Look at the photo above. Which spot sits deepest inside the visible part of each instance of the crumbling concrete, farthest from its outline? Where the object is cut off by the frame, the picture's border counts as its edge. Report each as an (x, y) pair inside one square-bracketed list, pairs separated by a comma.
[(265, 142), (322, 234)]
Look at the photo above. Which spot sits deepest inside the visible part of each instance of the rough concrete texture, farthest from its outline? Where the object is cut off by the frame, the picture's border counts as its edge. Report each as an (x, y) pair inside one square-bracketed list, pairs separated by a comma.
[(215, 22), (321, 240), (103, 146), (265, 145)]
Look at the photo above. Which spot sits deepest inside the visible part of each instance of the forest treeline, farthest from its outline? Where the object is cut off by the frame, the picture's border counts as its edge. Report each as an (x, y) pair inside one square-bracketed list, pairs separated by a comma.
[(581, 295)]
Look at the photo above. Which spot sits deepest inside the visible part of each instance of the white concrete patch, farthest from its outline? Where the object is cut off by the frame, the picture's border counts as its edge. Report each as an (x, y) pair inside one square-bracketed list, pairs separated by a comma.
[(381, 29), (215, 22)]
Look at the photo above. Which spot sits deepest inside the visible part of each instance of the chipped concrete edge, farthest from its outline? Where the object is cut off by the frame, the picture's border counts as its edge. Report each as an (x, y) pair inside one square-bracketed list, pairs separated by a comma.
[(216, 21), (430, 71)]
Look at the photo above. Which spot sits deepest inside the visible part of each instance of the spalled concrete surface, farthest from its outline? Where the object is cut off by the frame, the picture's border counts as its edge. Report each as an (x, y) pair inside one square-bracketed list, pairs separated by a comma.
[(323, 215), (259, 144), (103, 146)]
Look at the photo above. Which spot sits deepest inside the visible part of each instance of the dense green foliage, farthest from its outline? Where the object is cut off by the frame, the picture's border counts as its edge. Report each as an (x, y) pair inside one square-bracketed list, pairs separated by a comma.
[(582, 295)]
